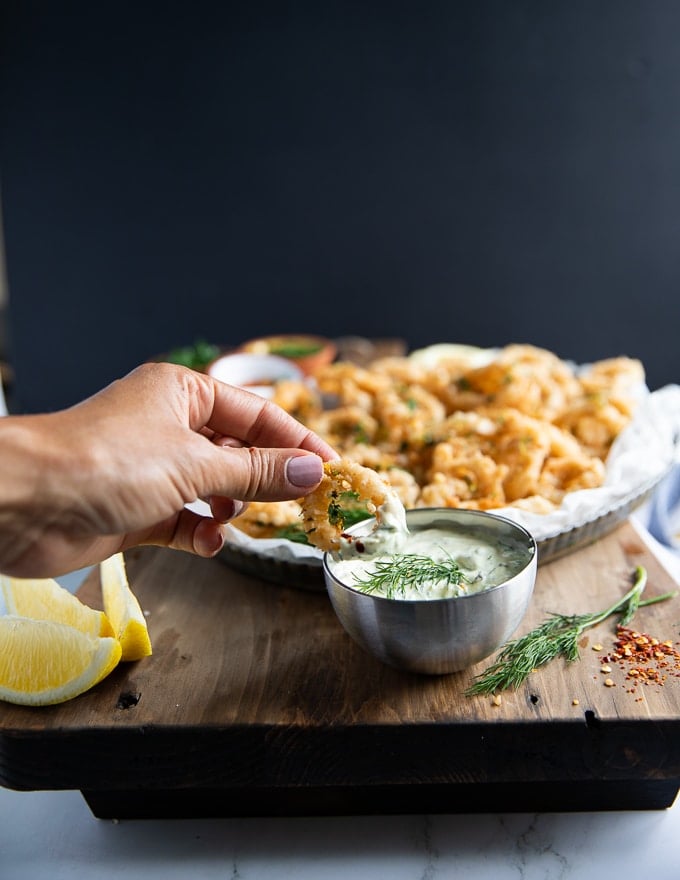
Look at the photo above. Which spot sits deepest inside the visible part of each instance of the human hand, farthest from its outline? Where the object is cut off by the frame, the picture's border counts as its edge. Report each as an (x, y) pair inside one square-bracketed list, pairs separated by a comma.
[(117, 470)]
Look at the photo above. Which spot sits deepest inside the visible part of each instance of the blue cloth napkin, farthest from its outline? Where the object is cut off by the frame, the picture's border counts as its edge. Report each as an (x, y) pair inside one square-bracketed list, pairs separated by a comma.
[(663, 516)]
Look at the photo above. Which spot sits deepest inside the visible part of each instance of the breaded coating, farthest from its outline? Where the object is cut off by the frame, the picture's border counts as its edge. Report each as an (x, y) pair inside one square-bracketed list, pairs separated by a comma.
[(322, 509), (264, 519)]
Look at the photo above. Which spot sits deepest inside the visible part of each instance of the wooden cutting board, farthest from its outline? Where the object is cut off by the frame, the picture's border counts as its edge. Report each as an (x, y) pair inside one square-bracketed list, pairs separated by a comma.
[(255, 701)]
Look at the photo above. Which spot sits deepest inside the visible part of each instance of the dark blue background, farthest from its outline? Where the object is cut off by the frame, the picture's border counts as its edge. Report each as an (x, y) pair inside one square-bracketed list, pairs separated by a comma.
[(479, 172)]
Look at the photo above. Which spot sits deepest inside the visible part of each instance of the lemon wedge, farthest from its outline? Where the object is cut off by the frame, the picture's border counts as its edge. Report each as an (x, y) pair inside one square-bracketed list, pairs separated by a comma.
[(45, 599), (43, 662), (123, 609)]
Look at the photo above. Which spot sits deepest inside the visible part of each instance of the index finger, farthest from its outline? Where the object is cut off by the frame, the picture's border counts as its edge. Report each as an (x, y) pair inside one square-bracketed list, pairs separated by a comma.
[(259, 422)]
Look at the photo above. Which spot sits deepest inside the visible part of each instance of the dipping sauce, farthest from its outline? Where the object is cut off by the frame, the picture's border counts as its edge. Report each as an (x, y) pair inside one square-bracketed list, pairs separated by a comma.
[(387, 536), (429, 563)]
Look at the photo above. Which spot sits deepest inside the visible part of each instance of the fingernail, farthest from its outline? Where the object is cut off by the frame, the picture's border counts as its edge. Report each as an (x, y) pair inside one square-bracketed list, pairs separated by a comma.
[(304, 470), (238, 507), (208, 541), (224, 509), (215, 545)]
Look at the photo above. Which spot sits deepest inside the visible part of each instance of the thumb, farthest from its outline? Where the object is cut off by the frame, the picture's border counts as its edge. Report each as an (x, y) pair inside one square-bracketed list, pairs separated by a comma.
[(253, 473), (246, 474)]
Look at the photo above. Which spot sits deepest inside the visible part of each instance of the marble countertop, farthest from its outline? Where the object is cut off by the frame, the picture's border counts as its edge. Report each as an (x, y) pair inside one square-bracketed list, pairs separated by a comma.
[(53, 834)]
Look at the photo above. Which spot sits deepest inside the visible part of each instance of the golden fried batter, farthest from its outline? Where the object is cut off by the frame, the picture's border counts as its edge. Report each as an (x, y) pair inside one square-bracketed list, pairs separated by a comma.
[(265, 519), (323, 509), (523, 429)]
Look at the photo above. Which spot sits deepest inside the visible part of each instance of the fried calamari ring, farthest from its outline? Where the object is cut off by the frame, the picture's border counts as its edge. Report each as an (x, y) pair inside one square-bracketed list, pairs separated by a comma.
[(344, 481), (266, 519)]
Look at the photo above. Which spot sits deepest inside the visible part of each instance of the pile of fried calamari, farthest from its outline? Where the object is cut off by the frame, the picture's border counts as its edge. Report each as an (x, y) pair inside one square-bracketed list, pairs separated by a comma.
[(522, 429)]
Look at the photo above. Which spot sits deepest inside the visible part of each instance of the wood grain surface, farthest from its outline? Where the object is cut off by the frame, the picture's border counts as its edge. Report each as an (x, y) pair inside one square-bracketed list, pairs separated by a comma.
[(255, 700)]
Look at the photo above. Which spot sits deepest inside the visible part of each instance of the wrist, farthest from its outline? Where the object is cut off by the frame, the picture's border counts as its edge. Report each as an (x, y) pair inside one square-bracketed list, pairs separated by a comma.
[(27, 456)]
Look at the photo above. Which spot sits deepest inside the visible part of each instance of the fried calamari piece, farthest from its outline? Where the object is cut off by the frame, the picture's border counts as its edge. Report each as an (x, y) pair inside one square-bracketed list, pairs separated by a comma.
[(300, 399), (404, 484), (462, 477), (619, 375), (268, 519), (350, 384), (530, 379), (389, 468), (345, 425), (344, 484), (407, 415), (597, 420), (610, 391), (562, 475)]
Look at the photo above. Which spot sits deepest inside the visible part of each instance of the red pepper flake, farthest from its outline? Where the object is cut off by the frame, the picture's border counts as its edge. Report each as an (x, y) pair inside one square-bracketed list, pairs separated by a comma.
[(644, 659)]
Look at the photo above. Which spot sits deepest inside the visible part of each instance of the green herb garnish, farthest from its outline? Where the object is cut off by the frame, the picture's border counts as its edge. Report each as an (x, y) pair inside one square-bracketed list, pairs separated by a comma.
[(293, 532), (410, 570), (336, 516), (354, 515), (557, 636), (361, 434), (345, 509), (196, 356), (295, 349)]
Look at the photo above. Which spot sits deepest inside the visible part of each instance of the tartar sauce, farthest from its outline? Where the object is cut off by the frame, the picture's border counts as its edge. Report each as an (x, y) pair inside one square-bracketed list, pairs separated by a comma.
[(484, 563), (386, 537)]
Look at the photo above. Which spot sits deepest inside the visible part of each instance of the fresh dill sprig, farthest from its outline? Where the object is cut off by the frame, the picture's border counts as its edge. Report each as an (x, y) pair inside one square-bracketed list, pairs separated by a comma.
[(410, 570), (557, 636)]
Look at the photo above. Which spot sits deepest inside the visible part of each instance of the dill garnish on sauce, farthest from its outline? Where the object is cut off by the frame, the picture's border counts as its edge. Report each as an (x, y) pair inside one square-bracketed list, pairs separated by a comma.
[(407, 571)]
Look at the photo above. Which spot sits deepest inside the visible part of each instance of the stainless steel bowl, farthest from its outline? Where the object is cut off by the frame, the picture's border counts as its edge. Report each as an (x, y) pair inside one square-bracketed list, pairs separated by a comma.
[(438, 636)]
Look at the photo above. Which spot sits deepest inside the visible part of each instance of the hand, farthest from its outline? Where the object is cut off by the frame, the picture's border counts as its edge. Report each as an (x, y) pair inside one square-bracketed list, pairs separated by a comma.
[(118, 469)]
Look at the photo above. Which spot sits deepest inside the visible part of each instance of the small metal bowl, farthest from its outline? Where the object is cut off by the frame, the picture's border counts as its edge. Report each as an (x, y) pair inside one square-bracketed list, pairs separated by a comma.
[(438, 636)]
